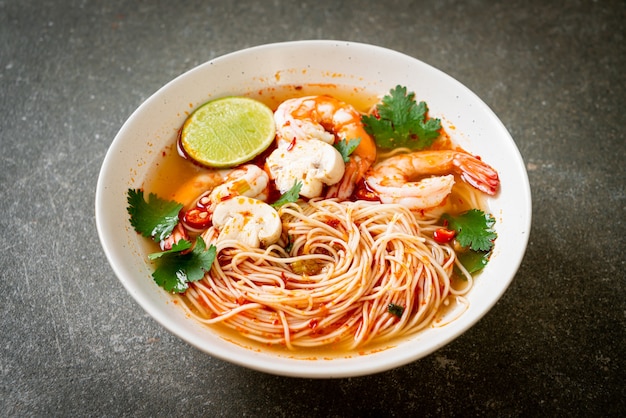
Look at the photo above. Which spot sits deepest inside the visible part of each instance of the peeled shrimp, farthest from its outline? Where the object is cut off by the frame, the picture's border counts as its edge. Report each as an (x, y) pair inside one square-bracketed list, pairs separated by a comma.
[(329, 120), (217, 185), (395, 180), (204, 193)]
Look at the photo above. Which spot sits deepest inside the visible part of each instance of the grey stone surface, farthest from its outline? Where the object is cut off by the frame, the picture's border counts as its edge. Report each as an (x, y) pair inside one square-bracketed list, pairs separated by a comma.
[(74, 343)]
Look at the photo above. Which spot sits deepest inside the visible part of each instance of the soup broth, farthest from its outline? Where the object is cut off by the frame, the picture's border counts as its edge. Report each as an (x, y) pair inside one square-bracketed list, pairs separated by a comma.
[(171, 170)]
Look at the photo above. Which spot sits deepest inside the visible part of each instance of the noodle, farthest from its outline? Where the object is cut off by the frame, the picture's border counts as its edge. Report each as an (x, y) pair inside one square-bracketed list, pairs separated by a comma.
[(358, 256), (347, 271)]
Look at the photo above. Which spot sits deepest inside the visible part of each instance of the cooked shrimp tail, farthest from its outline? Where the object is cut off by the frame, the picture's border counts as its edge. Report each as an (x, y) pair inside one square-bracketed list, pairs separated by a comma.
[(476, 173), (402, 178)]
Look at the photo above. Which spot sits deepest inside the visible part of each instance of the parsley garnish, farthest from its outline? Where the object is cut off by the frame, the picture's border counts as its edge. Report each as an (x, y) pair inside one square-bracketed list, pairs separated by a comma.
[(395, 310), (155, 218), (347, 147), (176, 268), (401, 122), (289, 196), (474, 229)]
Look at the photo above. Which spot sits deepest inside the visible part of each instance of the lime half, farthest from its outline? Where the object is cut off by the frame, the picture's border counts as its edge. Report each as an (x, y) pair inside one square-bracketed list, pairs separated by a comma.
[(228, 131)]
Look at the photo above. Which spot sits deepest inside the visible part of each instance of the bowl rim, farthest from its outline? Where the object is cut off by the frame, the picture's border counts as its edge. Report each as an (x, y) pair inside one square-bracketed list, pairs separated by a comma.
[(260, 361)]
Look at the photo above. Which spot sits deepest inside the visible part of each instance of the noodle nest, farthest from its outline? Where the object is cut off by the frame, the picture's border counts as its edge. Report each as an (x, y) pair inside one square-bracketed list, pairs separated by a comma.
[(331, 279)]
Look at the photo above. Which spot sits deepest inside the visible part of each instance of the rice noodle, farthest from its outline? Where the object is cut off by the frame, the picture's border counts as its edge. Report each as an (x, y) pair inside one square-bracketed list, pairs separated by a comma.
[(365, 255)]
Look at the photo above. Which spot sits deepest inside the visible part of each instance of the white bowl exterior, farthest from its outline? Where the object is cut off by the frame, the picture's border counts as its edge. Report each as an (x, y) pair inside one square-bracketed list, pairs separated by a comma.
[(153, 126)]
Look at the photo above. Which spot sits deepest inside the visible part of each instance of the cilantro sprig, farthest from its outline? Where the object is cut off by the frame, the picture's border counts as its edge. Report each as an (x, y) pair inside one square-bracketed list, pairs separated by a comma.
[(474, 229), (347, 147), (289, 196), (154, 218), (185, 262), (178, 267), (399, 121)]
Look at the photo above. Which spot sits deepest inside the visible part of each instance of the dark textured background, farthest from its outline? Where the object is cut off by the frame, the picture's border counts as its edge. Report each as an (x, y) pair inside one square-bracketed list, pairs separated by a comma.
[(73, 342)]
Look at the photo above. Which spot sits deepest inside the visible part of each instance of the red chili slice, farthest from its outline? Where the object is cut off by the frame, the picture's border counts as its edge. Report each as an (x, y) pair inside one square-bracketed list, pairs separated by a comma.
[(443, 235), (197, 218)]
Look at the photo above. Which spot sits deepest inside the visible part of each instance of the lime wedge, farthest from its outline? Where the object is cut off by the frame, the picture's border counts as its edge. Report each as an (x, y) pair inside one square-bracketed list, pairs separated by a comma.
[(228, 131)]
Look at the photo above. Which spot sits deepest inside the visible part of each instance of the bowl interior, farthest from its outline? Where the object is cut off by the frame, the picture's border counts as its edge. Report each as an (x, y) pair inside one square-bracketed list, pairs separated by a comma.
[(154, 124)]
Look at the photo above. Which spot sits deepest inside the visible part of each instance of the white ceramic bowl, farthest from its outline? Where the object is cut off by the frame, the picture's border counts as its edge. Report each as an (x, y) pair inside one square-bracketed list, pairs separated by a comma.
[(154, 124)]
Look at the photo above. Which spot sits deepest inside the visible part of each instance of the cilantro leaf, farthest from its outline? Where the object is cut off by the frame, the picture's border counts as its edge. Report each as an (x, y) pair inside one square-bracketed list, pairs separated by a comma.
[(180, 246), (176, 268), (347, 147), (399, 121), (395, 310), (474, 261), (289, 245), (289, 196), (155, 218), (474, 229)]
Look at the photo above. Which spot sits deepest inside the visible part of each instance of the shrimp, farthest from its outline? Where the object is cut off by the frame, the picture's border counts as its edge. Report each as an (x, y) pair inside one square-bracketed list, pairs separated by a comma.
[(201, 195), (248, 180), (360, 161), (329, 120), (225, 199), (392, 180), (178, 233), (213, 186)]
